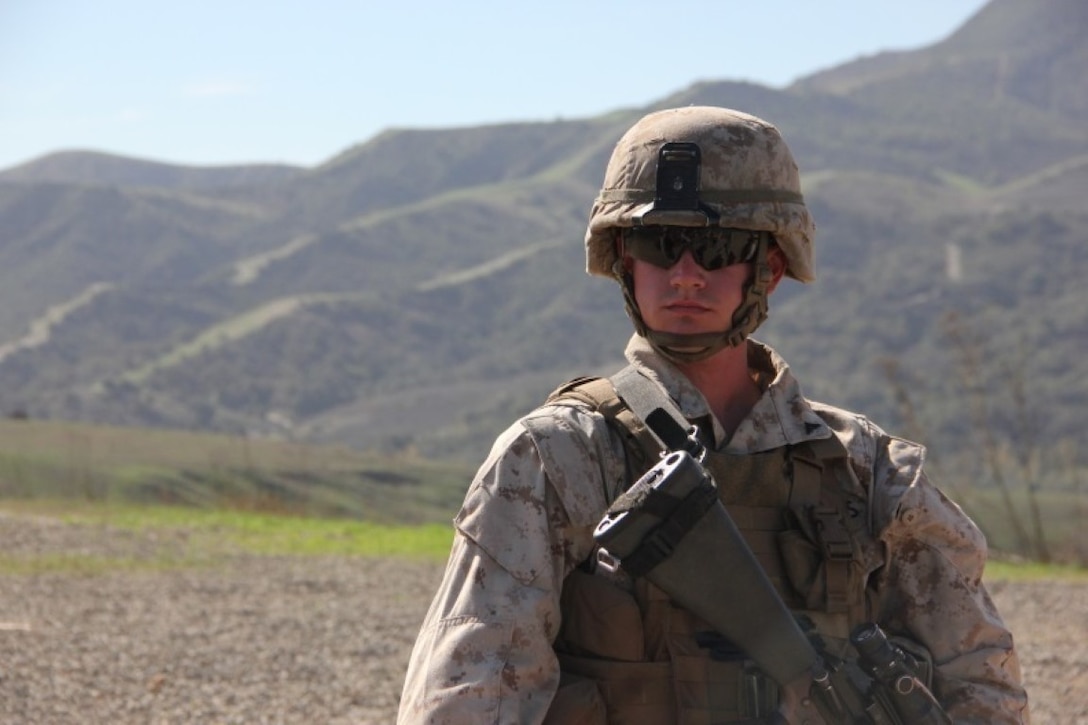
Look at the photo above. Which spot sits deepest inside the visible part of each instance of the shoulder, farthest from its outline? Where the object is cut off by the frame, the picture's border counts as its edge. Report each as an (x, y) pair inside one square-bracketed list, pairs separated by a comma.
[(904, 505), (579, 450), (535, 500), (886, 466), (561, 454)]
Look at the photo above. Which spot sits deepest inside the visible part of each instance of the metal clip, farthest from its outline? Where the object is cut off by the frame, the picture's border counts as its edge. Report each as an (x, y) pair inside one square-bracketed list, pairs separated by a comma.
[(607, 562)]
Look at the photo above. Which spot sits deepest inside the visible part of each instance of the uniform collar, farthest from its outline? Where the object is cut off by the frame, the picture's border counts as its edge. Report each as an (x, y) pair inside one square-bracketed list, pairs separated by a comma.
[(782, 415)]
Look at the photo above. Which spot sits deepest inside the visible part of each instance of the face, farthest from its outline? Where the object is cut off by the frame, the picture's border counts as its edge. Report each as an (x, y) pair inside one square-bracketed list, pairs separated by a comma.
[(688, 299), (685, 298)]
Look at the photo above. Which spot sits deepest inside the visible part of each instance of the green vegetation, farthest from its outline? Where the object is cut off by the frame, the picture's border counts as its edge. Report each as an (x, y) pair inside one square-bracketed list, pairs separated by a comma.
[(197, 498), (1063, 513), (276, 535), (50, 461), (215, 495), (1001, 570), (210, 535), (185, 537)]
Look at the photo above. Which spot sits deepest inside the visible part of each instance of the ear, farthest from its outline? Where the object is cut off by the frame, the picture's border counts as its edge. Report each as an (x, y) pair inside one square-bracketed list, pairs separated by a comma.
[(776, 260)]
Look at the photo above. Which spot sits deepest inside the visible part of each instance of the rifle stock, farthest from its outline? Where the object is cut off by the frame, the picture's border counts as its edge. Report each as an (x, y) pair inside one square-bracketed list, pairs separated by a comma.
[(671, 528), (755, 619)]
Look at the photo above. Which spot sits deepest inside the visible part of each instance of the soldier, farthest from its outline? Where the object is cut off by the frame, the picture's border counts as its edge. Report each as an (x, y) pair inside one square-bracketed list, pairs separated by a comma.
[(700, 217)]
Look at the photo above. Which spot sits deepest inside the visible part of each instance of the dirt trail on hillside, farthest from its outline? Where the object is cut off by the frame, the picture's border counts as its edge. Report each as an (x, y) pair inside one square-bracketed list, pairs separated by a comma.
[(302, 640)]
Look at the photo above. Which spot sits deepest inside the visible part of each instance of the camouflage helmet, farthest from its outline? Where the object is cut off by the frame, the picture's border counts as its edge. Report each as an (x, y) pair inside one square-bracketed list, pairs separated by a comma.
[(747, 180), (703, 167)]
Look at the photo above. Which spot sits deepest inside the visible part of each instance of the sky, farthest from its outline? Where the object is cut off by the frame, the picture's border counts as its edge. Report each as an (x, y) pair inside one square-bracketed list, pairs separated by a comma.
[(216, 82)]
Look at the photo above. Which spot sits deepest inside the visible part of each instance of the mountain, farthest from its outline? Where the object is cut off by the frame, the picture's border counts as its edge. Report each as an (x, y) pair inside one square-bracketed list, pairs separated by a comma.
[(421, 289), (1002, 96), (1030, 55), (97, 169)]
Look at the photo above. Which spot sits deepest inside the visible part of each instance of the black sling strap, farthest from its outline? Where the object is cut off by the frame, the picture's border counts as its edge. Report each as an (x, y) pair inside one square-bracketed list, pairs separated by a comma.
[(647, 401)]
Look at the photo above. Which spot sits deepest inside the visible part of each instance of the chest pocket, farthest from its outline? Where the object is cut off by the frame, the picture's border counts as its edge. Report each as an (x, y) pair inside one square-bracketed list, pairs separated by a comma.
[(807, 530)]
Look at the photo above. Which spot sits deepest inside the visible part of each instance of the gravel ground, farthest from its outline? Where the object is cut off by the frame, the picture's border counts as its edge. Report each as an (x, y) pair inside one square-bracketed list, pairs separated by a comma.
[(304, 640)]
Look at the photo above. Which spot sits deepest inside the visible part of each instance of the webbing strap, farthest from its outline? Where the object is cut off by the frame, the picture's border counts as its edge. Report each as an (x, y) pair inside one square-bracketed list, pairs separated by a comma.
[(634, 401), (652, 406), (811, 491), (838, 553)]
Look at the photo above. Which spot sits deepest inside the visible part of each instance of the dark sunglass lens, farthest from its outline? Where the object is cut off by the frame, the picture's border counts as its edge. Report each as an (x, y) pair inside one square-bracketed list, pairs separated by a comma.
[(645, 247), (709, 254), (711, 249), (728, 247), (672, 249)]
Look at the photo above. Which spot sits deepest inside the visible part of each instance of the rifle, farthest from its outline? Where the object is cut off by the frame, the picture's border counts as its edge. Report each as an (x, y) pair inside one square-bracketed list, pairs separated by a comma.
[(670, 524)]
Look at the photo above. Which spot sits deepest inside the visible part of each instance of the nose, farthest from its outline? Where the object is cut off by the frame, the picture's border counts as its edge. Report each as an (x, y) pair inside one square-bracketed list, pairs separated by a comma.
[(687, 272)]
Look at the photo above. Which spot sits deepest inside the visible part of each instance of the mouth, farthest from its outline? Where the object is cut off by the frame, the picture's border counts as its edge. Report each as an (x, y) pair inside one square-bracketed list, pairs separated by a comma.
[(686, 307)]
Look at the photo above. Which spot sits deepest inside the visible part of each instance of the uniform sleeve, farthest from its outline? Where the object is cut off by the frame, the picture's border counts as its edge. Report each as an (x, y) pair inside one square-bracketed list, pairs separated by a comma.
[(484, 652), (931, 590)]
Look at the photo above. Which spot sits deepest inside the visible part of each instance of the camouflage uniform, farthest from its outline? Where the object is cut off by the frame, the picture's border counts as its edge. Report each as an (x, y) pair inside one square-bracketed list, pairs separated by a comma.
[(484, 653), (487, 651)]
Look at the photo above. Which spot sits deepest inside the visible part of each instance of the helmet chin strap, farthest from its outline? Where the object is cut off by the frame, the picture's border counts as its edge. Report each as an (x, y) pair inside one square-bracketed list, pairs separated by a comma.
[(689, 348)]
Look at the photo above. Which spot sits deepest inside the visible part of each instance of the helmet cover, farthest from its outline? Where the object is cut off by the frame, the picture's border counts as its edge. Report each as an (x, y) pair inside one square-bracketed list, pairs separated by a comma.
[(702, 166), (747, 177)]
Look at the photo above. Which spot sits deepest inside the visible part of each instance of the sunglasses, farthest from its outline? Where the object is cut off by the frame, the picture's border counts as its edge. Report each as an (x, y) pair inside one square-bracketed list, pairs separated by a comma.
[(711, 248)]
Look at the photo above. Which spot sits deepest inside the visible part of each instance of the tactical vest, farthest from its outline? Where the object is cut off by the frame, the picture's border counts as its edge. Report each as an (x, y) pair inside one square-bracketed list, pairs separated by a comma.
[(653, 662)]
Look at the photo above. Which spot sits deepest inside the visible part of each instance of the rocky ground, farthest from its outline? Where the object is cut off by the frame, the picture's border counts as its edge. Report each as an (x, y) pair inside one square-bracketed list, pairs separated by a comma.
[(300, 640)]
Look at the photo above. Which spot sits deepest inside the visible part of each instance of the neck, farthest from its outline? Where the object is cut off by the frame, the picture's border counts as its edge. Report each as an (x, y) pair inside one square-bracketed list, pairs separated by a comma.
[(726, 383)]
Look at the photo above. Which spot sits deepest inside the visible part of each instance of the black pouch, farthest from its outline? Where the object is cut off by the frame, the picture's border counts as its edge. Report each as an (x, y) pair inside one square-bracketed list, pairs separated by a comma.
[(600, 619), (802, 561)]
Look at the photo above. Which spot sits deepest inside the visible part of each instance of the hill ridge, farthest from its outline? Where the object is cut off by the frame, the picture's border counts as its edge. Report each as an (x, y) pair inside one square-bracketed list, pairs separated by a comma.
[(425, 259)]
